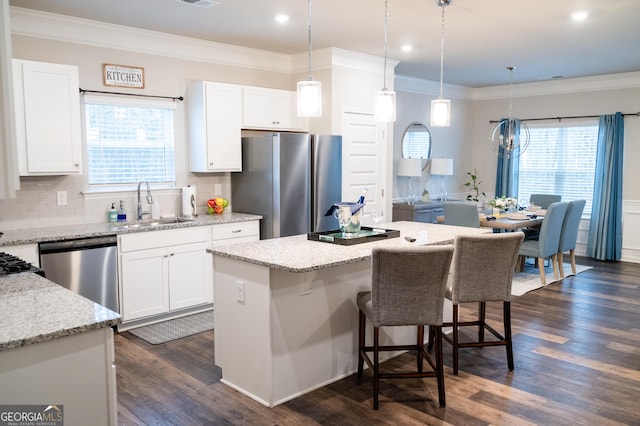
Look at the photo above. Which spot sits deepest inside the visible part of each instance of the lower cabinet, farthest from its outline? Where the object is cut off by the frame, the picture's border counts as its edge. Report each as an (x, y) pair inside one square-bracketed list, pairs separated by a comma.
[(419, 212), (164, 271)]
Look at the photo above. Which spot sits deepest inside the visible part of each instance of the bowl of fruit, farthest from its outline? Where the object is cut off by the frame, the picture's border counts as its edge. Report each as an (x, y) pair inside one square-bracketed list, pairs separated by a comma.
[(217, 205)]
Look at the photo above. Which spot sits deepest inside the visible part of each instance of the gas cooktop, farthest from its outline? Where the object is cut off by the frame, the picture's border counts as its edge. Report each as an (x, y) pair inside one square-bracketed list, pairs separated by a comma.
[(10, 264)]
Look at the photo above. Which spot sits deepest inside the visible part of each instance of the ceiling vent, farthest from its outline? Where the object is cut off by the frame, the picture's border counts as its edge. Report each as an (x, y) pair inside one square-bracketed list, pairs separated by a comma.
[(200, 3)]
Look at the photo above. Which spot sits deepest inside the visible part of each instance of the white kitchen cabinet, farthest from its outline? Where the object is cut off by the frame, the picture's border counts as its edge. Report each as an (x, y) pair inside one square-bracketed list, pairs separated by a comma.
[(164, 271), (271, 109), (47, 110), (215, 121), (237, 232)]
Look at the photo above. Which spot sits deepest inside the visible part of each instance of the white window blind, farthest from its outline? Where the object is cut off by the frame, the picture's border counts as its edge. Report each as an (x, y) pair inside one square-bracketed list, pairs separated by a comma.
[(129, 140), (560, 159)]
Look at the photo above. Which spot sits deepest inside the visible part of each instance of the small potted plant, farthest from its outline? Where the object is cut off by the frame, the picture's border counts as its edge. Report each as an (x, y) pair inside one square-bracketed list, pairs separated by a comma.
[(474, 186)]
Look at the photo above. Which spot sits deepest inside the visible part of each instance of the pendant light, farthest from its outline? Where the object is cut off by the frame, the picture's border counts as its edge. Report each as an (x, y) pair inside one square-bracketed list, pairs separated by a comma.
[(309, 91), (385, 107), (510, 137), (441, 108)]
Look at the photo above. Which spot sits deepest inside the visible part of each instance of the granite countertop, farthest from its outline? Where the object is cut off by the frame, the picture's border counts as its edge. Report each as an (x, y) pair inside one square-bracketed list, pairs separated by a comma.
[(298, 254), (34, 309), (59, 233)]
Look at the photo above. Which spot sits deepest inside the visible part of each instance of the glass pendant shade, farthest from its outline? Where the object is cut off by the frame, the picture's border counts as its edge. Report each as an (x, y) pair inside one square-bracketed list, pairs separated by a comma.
[(385, 107), (441, 112), (309, 98)]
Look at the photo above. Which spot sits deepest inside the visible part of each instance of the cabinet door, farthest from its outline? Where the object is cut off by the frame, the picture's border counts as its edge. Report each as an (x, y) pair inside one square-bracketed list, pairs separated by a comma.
[(190, 276), (287, 110), (47, 118), (145, 283), (215, 120), (223, 123), (258, 108)]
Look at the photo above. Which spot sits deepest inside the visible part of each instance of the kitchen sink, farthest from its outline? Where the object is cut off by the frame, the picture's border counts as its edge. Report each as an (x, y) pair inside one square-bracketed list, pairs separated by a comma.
[(152, 223)]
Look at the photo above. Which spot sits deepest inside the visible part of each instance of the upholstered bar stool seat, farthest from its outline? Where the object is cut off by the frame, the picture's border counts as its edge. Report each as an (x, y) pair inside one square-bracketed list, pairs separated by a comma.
[(407, 289)]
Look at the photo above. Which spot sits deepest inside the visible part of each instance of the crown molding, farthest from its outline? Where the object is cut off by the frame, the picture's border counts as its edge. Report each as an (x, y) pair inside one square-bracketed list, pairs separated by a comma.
[(561, 86), (333, 57), (32, 23), (405, 83)]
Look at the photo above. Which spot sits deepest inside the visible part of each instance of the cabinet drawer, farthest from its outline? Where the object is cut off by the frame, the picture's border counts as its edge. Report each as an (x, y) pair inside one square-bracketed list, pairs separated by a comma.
[(236, 230), (156, 239)]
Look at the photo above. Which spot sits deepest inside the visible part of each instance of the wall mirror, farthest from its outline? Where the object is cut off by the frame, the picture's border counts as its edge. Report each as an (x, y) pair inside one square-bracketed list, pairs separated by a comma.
[(416, 141)]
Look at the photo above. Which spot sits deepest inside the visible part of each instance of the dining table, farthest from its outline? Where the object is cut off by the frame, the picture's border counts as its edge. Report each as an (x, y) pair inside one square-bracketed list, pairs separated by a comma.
[(506, 222)]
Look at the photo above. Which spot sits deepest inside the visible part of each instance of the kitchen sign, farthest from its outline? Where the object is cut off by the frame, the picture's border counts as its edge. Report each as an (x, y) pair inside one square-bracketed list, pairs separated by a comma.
[(123, 76)]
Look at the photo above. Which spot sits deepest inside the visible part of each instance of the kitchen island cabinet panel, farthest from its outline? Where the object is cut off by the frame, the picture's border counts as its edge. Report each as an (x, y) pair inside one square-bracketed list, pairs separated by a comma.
[(77, 372)]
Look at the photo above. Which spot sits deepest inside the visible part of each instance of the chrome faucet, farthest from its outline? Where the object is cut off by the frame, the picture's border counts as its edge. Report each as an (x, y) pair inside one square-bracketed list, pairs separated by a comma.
[(149, 200)]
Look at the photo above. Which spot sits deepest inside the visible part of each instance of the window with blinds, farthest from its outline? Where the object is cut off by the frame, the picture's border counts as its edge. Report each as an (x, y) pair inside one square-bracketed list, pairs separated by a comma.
[(129, 141), (560, 159)]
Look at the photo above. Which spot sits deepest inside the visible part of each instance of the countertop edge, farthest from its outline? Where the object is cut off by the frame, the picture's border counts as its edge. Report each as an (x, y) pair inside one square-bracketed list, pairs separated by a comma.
[(69, 232), (41, 338)]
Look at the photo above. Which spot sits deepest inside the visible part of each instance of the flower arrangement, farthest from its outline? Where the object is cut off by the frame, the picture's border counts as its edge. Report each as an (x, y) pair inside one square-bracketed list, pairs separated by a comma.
[(503, 203)]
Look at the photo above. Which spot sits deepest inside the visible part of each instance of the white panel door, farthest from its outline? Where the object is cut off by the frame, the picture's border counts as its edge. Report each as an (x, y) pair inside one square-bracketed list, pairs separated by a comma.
[(363, 165)]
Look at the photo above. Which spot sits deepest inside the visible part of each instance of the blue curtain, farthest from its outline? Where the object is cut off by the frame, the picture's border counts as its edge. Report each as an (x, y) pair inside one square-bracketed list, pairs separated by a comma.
[(508, 170), (605, 232)]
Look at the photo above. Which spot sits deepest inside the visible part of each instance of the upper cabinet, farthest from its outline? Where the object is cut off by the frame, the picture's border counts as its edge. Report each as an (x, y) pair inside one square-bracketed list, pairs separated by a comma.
[(47, 109), (215, 120), (270, 109)]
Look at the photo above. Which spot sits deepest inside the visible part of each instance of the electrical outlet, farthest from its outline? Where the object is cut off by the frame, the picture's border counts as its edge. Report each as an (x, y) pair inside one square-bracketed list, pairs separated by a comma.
[(240, 291), (61, 198), (217, 189)]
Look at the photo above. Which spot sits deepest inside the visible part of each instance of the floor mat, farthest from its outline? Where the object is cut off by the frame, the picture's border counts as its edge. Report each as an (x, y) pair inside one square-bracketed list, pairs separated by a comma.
[(178, 328), (524, 282)]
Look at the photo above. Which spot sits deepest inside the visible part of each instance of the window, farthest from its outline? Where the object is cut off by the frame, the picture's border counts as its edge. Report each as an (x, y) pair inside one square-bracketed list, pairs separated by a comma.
[(560, 159), (129, 141)]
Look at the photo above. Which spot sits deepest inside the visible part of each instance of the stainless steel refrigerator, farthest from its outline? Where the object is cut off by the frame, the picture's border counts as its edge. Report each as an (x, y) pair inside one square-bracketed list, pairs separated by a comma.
[(291, 179)]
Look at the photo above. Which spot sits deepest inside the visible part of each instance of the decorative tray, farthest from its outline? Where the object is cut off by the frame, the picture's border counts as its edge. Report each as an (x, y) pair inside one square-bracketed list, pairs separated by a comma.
[(366, 235)]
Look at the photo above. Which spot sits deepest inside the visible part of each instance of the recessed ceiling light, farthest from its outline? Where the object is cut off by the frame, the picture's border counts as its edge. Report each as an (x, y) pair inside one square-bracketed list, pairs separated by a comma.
[(282, 18), (407, 48), (579, 15)]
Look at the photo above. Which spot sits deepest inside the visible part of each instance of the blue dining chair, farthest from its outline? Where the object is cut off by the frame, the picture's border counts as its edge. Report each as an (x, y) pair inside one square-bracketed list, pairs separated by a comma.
[(546, 246), (544, 200), (461, 213), (569, 234)]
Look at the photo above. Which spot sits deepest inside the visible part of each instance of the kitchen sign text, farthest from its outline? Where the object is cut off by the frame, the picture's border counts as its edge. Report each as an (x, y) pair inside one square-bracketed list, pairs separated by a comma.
[(123, 76)]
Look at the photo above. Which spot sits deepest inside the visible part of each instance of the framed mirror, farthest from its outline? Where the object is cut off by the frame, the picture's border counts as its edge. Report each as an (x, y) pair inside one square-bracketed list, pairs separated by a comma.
[(416, 141)]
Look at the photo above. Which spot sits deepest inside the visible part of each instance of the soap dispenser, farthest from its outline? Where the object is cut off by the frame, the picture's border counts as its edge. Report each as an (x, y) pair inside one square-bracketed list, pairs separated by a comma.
[(113, 213), (122, 216)]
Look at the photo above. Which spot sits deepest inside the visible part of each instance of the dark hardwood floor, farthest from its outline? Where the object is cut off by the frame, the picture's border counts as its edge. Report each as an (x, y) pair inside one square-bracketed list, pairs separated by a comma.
[(577, 362)]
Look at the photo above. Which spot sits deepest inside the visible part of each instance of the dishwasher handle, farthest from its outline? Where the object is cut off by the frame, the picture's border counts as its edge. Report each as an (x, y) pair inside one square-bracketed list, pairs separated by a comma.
[(79, 244)]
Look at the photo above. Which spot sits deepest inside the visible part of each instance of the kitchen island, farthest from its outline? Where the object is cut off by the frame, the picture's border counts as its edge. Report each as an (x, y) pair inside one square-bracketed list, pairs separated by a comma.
[(286, 317), (56, 347)]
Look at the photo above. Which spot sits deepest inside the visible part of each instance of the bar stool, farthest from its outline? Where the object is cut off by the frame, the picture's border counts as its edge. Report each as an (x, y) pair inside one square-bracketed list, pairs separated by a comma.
[(482, 271), (407, 288)]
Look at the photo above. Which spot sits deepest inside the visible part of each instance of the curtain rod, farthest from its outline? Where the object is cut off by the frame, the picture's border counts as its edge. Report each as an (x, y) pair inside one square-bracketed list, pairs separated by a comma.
[(637, 114), (83, 91)]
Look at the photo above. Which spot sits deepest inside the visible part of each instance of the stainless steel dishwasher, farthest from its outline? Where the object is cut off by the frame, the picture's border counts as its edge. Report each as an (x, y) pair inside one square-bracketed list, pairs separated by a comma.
[(86, 266)]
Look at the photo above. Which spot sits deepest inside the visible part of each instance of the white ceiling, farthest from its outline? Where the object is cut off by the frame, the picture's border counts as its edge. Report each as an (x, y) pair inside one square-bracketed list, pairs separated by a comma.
[(482, 37)]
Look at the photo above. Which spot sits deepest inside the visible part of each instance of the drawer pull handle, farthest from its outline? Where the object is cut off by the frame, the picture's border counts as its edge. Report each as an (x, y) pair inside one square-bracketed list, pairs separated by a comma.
[(235, 231)]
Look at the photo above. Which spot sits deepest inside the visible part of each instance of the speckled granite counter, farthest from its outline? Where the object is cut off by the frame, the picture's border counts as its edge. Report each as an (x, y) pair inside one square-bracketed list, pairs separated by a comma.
[(34, 309), (297, 254), (58, 233)]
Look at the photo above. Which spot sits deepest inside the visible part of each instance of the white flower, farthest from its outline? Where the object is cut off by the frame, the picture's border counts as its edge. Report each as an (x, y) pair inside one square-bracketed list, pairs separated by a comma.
[(503, 202)]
